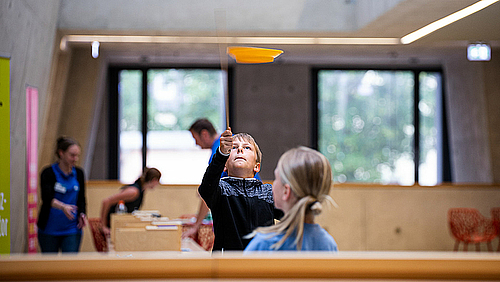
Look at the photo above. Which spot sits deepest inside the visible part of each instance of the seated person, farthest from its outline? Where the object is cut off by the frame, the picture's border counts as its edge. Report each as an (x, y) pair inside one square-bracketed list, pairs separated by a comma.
[(303, 178), (132, 195), (239, 203)]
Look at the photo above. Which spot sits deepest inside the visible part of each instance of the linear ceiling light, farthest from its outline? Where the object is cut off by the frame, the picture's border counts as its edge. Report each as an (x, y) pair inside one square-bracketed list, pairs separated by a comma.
[(419, 33), (229, 40)]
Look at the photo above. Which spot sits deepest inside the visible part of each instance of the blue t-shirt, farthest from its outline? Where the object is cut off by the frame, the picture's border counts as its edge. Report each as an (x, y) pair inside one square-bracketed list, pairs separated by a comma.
[(215, 146), (315, 239), (66, 191)]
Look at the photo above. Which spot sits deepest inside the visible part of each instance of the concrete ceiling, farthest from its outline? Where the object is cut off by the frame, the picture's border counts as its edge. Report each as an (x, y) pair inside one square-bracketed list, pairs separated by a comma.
[(309, 18)]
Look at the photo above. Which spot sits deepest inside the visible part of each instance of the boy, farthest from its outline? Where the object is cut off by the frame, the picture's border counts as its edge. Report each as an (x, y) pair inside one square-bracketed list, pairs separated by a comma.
[(239, 202)]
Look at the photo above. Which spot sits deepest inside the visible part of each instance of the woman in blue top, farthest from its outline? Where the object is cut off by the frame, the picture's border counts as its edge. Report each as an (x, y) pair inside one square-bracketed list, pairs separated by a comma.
[(303, 178), (62, 214)]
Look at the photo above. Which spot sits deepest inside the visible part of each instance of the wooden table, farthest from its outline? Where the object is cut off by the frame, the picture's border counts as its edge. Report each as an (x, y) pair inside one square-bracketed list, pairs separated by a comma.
[(131, 233)]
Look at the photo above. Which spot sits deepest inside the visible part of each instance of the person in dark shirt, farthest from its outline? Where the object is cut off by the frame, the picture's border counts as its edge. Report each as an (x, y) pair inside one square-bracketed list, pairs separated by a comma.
[(239, 202), (132, 195), (206, 137)]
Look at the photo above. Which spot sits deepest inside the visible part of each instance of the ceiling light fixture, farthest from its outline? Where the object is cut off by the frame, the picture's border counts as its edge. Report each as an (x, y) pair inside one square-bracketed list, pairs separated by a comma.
[(229, 40), (467, 11), (95, 49)]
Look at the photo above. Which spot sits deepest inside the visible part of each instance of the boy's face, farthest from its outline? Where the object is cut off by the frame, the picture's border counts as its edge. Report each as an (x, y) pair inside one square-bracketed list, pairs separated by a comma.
[(242, 161)]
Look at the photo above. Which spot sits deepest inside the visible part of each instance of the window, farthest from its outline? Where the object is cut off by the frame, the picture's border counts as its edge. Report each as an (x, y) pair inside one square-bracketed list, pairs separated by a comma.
[(156, 107), (130, 136), (368, 129)]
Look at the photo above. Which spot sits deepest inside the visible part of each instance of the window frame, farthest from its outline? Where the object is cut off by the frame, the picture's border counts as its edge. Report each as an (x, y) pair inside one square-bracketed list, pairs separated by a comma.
[(113, 130), (446, 175)]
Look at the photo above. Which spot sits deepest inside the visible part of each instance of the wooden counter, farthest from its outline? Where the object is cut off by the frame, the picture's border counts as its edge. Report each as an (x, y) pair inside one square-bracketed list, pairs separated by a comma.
[(267, 266)]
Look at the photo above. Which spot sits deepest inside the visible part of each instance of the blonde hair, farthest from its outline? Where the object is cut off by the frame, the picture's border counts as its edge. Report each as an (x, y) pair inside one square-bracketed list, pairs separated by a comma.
[(309, 175), (248, 138)]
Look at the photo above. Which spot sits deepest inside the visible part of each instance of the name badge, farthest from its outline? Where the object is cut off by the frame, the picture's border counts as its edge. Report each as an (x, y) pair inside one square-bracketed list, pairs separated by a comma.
[(59, 188)]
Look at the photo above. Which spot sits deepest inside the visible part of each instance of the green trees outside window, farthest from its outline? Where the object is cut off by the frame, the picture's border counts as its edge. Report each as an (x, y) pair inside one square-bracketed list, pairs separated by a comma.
[(175, 99), (367, 126)]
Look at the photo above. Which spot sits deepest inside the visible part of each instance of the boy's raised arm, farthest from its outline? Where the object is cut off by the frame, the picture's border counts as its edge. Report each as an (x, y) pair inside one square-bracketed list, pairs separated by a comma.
[(210, 183)]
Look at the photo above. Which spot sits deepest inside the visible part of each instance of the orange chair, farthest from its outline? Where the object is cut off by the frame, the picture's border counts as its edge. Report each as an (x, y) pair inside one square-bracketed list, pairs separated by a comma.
[(468, 225), (100, 243), (205, 235), (495, 215)]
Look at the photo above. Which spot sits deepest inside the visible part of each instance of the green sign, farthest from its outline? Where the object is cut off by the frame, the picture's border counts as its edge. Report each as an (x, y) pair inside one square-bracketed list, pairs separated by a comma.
[(4, 157)]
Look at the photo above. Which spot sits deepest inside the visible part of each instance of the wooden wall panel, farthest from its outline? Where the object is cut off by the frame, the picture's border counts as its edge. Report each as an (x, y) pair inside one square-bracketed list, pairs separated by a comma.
[(369, 217)]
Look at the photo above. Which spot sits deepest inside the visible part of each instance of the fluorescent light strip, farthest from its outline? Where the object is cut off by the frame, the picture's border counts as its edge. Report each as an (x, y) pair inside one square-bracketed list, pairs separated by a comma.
[(230, 40), (419, 33), (356, 41)]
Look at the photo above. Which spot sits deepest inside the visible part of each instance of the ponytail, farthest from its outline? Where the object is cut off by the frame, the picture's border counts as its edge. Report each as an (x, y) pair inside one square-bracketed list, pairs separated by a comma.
[(309, 175), (150, 174)]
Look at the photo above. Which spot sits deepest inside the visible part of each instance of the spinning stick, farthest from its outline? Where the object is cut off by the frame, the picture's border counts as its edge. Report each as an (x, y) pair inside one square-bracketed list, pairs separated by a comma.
[(242, 55), (220, 23)]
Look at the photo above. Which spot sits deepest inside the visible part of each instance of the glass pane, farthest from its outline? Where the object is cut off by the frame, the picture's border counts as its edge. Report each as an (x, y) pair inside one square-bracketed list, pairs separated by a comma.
[(430, 91), (365, 125), (176, 98), (129, 125)]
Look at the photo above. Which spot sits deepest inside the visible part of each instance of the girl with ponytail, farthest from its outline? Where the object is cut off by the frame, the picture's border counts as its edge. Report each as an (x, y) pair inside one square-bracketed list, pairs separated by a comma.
[(303, 178)]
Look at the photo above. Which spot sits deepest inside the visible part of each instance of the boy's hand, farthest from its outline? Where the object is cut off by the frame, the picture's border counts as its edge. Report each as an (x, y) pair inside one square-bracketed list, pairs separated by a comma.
[(226, 141)]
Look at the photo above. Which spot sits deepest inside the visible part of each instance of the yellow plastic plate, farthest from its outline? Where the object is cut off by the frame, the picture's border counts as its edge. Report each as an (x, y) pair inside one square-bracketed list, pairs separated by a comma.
[(253, 55)]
